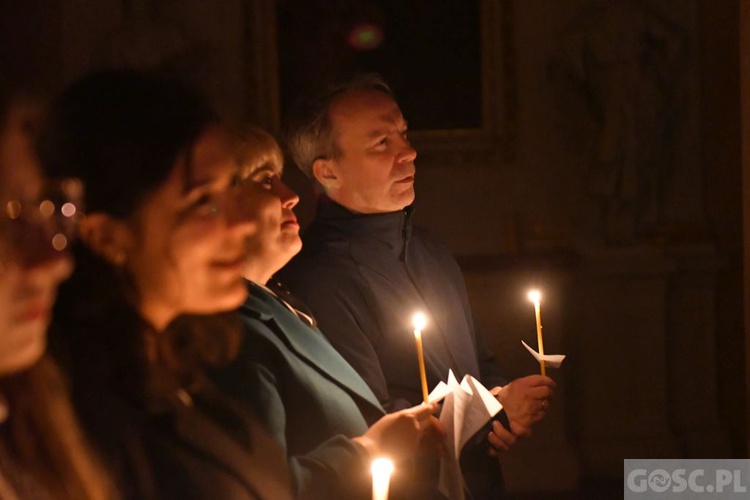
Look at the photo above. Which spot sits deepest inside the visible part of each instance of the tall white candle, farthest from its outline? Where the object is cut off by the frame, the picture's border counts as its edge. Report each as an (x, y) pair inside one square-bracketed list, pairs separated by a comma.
[(535, 296), (419, 321)]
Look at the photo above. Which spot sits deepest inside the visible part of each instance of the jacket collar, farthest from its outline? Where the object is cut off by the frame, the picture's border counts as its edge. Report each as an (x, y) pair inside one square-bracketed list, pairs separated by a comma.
[(313, 348), (392, 229)]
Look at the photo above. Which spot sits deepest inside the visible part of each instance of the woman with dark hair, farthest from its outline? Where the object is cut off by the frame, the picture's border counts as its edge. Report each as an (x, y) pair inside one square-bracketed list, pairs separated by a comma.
[(163, 237), (42, 452)]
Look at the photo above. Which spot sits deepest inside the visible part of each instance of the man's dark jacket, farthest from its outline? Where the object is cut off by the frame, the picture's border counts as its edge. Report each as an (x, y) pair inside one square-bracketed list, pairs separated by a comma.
[(364, 277)]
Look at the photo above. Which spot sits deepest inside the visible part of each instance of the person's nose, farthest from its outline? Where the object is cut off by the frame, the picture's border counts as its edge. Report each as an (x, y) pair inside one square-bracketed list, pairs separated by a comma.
[(407, 154), (288, 197), (48, 263)]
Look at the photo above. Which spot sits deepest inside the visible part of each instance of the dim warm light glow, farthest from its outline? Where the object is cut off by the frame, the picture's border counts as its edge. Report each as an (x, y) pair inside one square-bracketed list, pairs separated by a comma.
[(535, 296), (419, 320)]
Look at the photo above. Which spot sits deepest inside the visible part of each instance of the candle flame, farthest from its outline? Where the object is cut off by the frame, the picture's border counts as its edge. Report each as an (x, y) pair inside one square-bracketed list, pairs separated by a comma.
[(381, 467), (419, 320), (535, 296)]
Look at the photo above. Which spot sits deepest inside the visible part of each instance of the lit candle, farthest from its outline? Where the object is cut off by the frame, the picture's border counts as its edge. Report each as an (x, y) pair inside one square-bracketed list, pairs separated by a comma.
[(536, 298), (381, 478), (419, 321)]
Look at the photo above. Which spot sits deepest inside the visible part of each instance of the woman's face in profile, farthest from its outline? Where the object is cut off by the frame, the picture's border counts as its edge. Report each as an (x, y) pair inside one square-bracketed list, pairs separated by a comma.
[(271, 203), (30, 265), (188, 242)]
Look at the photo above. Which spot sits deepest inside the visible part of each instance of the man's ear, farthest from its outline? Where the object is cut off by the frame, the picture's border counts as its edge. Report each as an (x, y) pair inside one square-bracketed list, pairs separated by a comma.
[(324, 172), (107, 237)]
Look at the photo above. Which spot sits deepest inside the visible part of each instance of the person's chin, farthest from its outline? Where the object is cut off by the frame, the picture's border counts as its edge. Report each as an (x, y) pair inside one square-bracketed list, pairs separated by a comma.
[(405, 197), (290, 244), (21, 358), (236, 295), (226, 297)]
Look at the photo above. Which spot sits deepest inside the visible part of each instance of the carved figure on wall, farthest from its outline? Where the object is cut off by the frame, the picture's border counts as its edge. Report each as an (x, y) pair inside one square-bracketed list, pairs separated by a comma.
[(627, 62)]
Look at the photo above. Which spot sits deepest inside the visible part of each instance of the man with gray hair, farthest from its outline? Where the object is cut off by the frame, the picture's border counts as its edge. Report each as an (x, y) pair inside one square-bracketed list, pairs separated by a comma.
[(365, 269)]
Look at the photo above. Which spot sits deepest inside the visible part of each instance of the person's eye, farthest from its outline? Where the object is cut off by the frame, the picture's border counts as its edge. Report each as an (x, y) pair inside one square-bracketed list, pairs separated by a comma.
[(264, 179), (206, 204)]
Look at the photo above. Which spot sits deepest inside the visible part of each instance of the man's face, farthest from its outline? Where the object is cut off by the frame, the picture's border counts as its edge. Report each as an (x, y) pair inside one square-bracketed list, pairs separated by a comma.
[(374, 172)]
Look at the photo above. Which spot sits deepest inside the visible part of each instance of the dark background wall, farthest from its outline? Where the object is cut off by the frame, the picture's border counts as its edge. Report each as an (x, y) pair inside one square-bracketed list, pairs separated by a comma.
[(611, 179)]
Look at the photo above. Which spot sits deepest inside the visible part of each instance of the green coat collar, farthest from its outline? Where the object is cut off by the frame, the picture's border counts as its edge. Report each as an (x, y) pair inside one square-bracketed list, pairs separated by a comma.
[(314, 348)]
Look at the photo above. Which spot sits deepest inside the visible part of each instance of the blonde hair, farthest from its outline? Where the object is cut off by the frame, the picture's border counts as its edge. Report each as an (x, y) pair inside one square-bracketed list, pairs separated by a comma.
[(258, 148)]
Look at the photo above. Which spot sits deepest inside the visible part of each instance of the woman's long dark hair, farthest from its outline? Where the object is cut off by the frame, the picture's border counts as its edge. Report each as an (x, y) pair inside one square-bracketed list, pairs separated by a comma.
[(121, 132)]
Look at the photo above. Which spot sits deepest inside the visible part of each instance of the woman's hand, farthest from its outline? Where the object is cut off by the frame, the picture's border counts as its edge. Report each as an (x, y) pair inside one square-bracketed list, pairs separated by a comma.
[(398, 435)]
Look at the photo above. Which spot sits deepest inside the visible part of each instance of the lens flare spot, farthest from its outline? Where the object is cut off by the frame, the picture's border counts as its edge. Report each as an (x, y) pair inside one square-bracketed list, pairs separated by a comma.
[(68, 210), (13, 209), (59, 242), (72, 187), (46, 208), (366, 36)]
